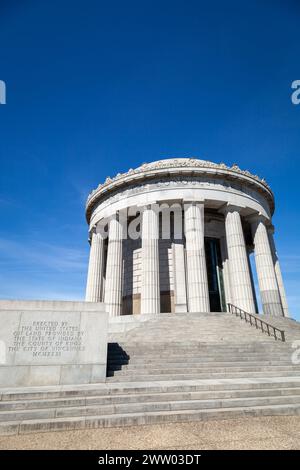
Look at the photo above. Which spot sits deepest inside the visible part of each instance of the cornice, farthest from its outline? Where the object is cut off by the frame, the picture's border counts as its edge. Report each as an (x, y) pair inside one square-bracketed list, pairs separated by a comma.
[(177, 166)]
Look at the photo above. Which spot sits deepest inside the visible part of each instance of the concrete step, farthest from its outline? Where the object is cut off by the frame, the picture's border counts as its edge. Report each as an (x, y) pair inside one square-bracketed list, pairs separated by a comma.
[(202, 375), (197, 343), (173, 369), (145, 348), (56, 403), (118, 365), (190, 356), (133, 419), (127, 350), (137, 355), (111, 389), (124, 404), (231, 354), (145, 407), (164, 358), (166, 369), (182, 362)]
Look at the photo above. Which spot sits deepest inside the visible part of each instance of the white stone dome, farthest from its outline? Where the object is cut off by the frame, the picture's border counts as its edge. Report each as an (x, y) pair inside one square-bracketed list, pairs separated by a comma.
[(191, 170)]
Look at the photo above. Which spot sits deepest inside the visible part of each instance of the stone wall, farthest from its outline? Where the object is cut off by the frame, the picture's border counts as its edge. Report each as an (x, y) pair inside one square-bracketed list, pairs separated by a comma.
[(52, 343)]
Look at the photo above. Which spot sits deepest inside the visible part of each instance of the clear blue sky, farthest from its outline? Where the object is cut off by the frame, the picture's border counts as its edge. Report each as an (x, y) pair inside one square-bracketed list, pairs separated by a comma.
[(94, 88)]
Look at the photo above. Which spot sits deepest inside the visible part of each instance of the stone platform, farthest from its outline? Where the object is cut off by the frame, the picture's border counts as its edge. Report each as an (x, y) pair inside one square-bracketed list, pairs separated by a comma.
[(170, 368)]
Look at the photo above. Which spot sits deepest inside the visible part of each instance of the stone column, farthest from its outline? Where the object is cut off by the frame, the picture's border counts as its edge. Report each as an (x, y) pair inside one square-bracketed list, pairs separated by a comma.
[(240, 279), (269, 292), (278, 272), (113, 282), (150, 291), (94, 287), (226, 272), (197, 284)]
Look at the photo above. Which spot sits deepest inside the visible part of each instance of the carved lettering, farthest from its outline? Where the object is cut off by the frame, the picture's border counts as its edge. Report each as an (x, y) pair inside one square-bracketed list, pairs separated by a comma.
[(47, 338)]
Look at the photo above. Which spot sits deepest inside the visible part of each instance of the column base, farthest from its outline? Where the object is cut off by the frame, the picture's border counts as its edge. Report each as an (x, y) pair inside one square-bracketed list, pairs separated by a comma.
[(271, 303)]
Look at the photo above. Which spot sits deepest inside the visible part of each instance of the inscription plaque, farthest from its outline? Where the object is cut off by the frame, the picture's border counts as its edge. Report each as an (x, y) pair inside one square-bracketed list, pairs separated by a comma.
[(50, 343)]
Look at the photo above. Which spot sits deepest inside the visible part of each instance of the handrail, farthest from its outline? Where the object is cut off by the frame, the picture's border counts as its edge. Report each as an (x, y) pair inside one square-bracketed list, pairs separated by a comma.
[(254, 320)]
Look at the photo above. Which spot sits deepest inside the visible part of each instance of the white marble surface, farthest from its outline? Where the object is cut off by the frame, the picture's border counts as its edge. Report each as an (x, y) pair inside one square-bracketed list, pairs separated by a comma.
[(64, 343)]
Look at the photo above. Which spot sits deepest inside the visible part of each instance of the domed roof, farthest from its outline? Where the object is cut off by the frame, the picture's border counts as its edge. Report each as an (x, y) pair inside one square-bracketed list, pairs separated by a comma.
[(166, 166), (176, 161)]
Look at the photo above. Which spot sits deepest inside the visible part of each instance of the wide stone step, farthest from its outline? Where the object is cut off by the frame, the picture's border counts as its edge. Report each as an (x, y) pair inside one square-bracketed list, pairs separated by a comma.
[(146, 397), (198, 350), (172, 347), (161, 386), (170, 362), (231, 355), (204, 331), (181, 362), (145, 407), (211, 375), (133, 419), (184, 342), (135, 365), (200, 370)]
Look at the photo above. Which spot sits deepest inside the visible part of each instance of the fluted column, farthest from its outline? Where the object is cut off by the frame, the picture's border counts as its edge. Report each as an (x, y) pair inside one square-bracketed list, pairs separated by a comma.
[(197, 284), (180, 302), (150, 291), (226, 272), (113, 282), (240, 278), (278, 272), (94, 287), (269, 292)]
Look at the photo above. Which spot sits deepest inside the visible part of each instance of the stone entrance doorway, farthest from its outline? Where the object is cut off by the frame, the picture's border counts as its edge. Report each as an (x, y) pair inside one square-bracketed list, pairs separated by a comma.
[(215, 275)]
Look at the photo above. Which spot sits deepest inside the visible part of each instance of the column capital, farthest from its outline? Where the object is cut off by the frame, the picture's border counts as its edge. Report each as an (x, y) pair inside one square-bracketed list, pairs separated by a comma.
[(258, 217), (193, 202), (91, 233), (99, 229), (231, 208), (148, 205)]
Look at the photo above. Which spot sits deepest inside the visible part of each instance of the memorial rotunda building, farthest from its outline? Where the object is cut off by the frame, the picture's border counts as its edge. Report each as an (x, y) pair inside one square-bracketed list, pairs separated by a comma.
[(175, 235)]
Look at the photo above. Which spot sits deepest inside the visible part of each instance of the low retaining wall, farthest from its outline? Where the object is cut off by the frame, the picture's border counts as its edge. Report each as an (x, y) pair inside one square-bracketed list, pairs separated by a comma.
[(52, 343)]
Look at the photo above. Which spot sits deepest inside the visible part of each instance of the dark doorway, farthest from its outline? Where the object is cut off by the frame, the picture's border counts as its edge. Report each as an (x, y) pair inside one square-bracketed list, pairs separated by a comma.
[(215, 275)]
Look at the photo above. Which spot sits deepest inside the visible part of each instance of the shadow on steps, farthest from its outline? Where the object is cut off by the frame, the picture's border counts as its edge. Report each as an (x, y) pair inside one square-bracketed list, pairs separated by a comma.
[(116, 358)]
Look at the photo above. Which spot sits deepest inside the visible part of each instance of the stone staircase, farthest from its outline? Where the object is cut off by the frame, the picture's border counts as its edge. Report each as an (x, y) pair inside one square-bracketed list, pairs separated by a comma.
[(172, 367)]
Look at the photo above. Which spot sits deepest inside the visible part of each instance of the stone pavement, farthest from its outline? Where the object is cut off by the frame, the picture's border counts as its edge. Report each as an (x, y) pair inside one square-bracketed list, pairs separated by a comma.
[(277, 432)]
